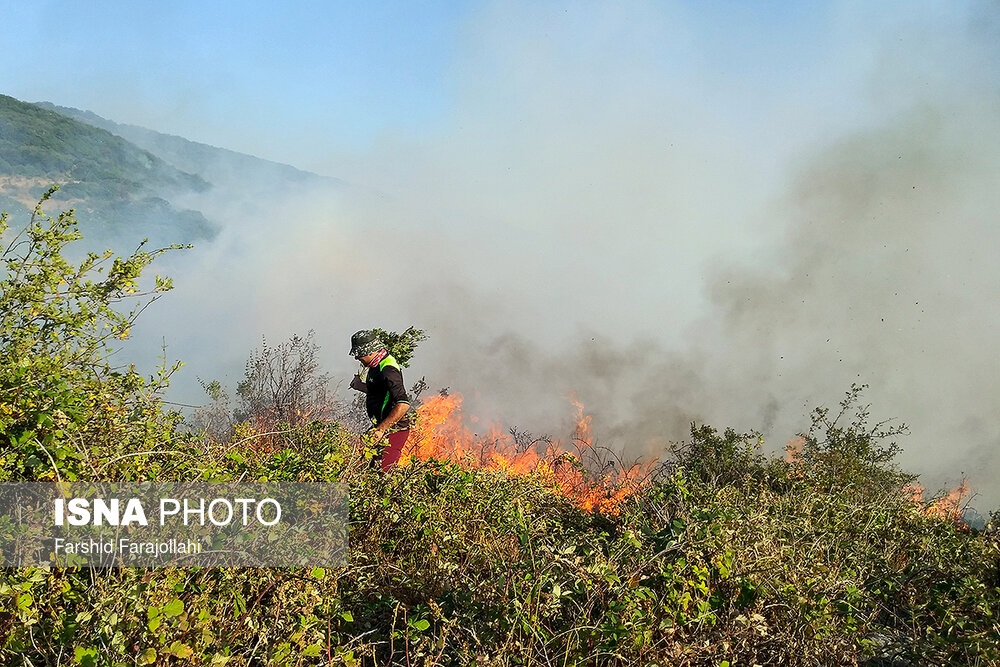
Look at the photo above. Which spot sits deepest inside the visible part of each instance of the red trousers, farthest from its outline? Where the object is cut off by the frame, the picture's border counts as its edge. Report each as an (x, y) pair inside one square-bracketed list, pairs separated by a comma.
[(393, 450)]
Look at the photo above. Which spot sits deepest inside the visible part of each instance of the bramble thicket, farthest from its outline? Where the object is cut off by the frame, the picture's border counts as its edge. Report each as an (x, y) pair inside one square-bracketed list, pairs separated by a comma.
[(718, 554)]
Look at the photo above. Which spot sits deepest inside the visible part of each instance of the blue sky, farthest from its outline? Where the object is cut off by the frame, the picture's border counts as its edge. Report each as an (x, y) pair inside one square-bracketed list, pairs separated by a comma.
[(252, 76), (289, 81)]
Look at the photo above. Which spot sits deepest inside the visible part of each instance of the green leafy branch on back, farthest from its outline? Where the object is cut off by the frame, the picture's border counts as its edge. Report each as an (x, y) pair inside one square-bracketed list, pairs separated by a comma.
[(402, 345)]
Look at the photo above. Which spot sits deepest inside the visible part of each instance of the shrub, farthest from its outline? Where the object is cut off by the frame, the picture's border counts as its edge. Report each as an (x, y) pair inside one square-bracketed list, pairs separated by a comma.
[(845, 451), (64, 405), (283, 384)]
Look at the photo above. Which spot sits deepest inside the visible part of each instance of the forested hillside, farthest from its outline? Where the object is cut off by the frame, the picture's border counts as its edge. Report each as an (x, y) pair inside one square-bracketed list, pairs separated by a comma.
[(120, 191), (221, 167), (39, 143)]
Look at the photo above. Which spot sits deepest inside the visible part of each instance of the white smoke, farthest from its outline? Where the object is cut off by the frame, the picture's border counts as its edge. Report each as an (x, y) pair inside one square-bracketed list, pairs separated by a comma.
[(671, 232)]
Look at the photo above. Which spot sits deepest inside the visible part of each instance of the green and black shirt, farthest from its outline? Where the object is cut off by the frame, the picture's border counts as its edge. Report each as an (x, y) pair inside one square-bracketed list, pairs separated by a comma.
[(384, 389)]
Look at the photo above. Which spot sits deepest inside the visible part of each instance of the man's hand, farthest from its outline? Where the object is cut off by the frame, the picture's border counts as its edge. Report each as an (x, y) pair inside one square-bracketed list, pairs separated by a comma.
[(376, 435)]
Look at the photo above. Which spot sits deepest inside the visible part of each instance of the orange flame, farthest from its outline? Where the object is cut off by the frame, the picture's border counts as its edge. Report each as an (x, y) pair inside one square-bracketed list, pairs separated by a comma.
[(793, 449), (581, 433), (440, 433), (947, 508), (915, 493)]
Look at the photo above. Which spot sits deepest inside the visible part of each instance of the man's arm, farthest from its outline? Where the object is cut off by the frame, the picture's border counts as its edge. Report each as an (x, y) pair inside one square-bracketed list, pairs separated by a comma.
[(394, 416), (359, 384), (400, 402)]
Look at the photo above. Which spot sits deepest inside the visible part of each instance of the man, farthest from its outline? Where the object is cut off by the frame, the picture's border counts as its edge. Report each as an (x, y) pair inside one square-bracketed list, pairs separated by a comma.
[(381, 380)]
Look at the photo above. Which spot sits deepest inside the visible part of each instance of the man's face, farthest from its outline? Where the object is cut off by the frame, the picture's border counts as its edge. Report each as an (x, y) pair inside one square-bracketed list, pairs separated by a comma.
[(366, 359)]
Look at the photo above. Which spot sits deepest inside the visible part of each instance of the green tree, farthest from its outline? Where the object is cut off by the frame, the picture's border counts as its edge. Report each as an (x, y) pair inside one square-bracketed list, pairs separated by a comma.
[(63, 406)]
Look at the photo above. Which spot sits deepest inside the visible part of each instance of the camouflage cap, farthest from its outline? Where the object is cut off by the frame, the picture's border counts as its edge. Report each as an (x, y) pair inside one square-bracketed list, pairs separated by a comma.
[(365, 342)]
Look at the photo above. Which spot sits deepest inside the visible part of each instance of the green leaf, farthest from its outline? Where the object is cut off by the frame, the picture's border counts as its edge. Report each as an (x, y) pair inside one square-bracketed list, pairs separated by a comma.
[(148, 657), (420, 625), (173, 608), (86, 656), (24, 601), (182, 651), (347, 616), (312, 650)]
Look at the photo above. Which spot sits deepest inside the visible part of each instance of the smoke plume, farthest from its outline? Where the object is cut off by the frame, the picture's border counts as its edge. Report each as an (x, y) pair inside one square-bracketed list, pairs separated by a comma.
[(667, 233)]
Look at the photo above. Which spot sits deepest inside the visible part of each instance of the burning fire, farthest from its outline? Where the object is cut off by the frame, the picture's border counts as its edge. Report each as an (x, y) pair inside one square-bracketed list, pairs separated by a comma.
[(793, 449), (947, 508), (440, 433)]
